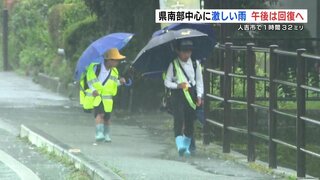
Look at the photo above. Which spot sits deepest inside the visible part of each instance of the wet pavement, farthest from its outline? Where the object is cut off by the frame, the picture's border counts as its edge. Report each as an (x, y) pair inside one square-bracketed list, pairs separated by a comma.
[(142, 145), (23, 160), (7, 173)]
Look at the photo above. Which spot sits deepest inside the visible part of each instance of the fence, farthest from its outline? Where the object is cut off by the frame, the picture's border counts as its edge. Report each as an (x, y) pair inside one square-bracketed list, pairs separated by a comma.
[(226, 97)]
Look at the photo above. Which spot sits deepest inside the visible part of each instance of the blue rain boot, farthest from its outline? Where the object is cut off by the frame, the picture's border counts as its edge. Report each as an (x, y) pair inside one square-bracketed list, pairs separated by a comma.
[(107, 134), (99, 132), (186, 144), (180, 146)]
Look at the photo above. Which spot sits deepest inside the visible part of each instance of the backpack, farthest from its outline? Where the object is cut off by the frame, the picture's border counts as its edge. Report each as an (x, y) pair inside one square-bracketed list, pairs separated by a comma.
[(85, 83), (167, 99)]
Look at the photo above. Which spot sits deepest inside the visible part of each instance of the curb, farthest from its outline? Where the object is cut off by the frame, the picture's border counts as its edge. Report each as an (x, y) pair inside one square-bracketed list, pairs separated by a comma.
[(52, 83), (55, 85), (80, 161)]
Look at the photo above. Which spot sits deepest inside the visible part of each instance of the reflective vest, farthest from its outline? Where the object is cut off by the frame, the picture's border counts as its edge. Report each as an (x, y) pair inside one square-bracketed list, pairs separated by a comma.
[(181, 78), (106, 91)]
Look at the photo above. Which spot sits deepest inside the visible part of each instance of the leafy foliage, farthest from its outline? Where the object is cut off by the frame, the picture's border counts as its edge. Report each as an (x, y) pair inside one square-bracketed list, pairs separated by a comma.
[(61, 16), (29, 36), (38, 28), (78, 36), (126, 16)]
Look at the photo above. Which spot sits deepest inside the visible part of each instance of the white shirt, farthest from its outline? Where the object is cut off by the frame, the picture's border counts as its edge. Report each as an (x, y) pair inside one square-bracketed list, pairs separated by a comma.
[(104, 73), (172, 82)]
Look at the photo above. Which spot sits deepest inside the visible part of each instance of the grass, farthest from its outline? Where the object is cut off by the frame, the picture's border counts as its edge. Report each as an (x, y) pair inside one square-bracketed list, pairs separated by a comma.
[(78, 175), (260, 168), (286, 157), (75, 174), (254, 166), (115, 170)]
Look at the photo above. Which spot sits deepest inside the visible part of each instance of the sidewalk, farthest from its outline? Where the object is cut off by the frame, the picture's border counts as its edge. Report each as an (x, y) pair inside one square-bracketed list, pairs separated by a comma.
[(135, 153), (7, 173), (20, 160), (142, 145)]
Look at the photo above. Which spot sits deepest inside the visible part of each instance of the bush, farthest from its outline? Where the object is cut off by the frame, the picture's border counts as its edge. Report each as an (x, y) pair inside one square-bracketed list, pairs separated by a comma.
[(29, 35), (31, 59), (37, 29), (61, 16), (78, 36)]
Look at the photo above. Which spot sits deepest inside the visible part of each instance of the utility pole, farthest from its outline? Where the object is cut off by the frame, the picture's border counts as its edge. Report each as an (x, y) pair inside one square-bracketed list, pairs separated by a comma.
[(5, 36)]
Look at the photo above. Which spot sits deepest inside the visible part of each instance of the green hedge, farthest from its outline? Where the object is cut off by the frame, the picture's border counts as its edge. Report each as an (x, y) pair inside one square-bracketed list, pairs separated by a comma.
[(37, 29), (78, 36), (29, 40), (61, 16)]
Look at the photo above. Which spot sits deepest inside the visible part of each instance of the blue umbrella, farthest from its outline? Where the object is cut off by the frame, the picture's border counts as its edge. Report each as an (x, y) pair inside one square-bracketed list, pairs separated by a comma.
[(95, 51), (202, 27)]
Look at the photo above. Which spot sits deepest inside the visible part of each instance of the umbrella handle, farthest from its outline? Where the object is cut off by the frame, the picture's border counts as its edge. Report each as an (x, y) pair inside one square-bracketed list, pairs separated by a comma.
[(128, 83)]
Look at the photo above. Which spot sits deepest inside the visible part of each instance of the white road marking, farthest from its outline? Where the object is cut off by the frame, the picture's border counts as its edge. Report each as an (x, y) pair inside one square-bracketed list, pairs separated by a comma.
[(21, 170)]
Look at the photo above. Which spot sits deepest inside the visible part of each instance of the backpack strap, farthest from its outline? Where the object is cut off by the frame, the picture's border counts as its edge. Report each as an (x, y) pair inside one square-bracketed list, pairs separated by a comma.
[(174, 70), (97, 72), (85, 86), (104, 82), (98, 69)]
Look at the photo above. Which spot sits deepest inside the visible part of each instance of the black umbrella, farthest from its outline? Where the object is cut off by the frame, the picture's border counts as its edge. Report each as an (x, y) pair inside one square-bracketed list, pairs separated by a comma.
[(159, 52)]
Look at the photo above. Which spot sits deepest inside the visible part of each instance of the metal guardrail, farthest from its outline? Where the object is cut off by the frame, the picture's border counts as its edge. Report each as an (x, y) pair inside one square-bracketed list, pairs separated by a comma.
[(250, 78)]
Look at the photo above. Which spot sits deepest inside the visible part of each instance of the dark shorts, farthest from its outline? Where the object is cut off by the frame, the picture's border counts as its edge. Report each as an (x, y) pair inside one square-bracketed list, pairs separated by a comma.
[(100, 110)]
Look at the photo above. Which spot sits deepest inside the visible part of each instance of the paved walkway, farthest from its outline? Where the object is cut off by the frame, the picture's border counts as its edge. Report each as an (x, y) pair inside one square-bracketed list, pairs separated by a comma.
[(142, 146), (19, 160), (7, 173)]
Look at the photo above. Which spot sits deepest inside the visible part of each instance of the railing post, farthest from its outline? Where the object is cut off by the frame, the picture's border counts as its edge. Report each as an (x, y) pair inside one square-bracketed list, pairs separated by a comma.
[(301, 111), (222, 58), (250, 63), (227, 96), (272, 106), (207, 84)]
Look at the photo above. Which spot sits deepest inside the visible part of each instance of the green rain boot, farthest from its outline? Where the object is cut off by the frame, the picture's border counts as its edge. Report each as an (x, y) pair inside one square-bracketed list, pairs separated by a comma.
[(180, 145), (107, 134), (99, 132), (186, 144)]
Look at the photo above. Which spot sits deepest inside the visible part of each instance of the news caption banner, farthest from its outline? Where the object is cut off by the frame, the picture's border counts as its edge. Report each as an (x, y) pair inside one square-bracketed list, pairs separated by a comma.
[(248, 19)]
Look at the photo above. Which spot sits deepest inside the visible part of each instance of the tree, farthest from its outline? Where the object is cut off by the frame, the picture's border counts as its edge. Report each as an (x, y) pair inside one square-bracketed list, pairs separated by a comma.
[(126, 16)]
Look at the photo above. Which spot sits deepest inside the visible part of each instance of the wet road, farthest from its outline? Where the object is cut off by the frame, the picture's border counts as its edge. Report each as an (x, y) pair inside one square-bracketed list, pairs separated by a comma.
[(19, 160)]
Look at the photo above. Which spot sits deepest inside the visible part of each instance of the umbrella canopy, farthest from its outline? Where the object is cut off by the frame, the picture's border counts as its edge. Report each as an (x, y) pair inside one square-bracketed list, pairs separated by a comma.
[(202, 27), (95, 51), (159, 52)]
